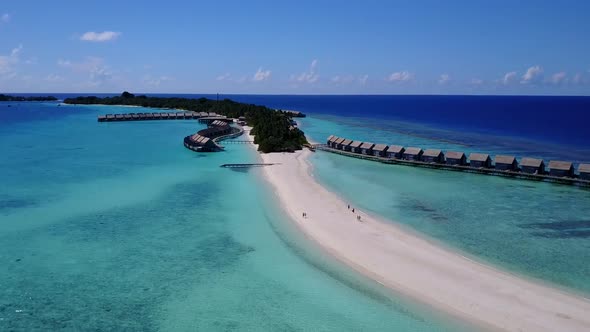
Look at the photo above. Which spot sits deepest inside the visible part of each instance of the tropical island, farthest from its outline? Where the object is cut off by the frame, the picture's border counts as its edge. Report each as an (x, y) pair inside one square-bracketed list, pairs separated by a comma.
[(21, 98), (273, 130)]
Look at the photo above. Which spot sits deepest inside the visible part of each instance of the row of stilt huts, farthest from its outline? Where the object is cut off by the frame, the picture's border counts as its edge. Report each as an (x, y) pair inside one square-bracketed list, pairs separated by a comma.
[(204, 139), (187, 115), (555, 168)]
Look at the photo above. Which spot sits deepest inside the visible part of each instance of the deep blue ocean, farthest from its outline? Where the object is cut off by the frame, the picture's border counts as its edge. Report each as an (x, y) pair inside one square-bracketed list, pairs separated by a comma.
[(118, 226)]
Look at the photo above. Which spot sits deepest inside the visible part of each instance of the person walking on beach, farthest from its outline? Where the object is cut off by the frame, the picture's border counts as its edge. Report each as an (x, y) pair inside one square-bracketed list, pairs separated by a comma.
[(352, 210), (349, 206)]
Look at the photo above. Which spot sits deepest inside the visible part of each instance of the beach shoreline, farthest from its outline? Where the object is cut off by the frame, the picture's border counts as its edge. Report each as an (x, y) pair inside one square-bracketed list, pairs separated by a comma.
[(407, 263)]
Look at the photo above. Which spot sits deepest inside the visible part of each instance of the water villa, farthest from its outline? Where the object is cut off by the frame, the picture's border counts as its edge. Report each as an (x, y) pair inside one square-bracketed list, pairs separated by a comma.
[(367, 148), (355, 146), (506, 163), (456, 158), (433, 156), (480, 160), (412, 153), (561, 168), (503, 165), (159, 116), (380, 150), (532, 166)]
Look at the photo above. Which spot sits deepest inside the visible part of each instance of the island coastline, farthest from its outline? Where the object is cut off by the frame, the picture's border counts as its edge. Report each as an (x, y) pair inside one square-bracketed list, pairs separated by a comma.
[(434, 275)]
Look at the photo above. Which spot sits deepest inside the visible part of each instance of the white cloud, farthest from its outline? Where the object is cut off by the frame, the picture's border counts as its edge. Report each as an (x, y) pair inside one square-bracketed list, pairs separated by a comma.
[(100, 36), (342, 79), (444, 79), (5, 18), (94, 67), (363, 79), (261, 75), (581, 78), (533, 75), (402, 76), (309, 76), (54, 78), (8, 62), (558, 78), (223, 77), (155, 81), (476, 81), (509, 78)]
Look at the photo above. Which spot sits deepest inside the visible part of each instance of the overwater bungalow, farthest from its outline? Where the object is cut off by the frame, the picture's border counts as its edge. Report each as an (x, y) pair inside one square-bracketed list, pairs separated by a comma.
[(329, 140), (395, 151), (532, 166), (102, 118), (412, 153), (332, 143), (561, 168), (584, 170), (171, 115), (480, 160), (355, 146), (346, 145), (433, 156), (380, 150), (367, 148), (119, 117), (110, 117), (456, 158), (339, 142), (506, 163)]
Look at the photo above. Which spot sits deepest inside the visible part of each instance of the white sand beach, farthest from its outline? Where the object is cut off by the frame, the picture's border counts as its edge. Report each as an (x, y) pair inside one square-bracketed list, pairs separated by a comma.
[(416, 267)]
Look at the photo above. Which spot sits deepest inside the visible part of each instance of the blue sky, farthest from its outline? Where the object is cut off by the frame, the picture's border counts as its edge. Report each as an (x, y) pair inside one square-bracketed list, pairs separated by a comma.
[(296, 47)]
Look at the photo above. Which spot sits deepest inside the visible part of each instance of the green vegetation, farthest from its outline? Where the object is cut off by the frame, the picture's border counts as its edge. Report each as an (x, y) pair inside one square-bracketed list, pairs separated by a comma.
[(20, 98), (273, 130)]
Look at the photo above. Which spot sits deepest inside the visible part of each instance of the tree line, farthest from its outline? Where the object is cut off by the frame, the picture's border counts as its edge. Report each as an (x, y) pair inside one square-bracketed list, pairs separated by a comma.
[(273, 130), (31, 98)]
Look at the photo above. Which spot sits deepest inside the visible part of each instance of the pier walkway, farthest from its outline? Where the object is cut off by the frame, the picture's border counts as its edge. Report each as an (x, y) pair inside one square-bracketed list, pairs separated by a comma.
[(459, 168), (186, 115)]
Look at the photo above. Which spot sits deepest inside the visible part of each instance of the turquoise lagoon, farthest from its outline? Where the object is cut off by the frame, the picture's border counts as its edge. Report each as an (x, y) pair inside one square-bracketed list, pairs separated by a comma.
[(117, 226), (534, 229)]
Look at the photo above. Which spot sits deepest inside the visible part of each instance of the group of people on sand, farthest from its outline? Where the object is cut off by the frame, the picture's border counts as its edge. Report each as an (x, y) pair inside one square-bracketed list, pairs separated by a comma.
[(358, 216)]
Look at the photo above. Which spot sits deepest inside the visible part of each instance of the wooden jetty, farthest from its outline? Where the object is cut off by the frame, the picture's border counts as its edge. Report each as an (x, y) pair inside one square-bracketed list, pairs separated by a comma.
[(244, 165), (186, 115), (480, 163)]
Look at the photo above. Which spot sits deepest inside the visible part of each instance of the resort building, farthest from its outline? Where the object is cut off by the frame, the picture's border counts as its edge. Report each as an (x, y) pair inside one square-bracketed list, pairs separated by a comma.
[(329, 140), (380, 150), (412, 153), (456, 158), (395, 151), (480, 160), (506, 163), (584, 170), (367, 148), (346, 145), (338, 143), (561, 168), (355, 146), (433, 156), (532, 166), (332, 142)]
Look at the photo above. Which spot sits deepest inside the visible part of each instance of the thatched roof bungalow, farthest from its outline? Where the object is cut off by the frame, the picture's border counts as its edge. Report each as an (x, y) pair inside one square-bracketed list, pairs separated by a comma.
[(433, 156), (561, 168), (380, 150), (395, 151), (506, 163), (456, 158), (355, 146), (329, 140), (346, 144), (532, 166), (367, 148), (584, 170), (480, 160), (412, 153)]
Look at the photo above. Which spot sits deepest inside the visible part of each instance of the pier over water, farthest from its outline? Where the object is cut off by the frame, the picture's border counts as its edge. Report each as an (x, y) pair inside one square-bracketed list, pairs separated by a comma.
[(508, 166)]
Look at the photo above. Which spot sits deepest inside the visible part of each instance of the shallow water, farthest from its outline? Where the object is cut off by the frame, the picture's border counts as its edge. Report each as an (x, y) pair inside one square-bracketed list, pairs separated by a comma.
[(536, 229), (116, 226)]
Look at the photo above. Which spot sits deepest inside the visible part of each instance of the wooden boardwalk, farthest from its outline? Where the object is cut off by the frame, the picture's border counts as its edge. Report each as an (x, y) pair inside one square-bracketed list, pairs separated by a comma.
[(157, 116), (244, 165), (459, 168)]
